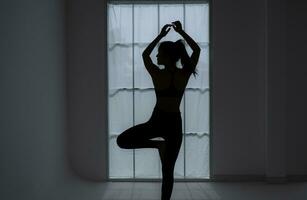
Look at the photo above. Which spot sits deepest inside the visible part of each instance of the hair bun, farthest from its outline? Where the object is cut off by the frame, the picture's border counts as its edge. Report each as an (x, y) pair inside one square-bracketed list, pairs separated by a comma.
[(179, 45)]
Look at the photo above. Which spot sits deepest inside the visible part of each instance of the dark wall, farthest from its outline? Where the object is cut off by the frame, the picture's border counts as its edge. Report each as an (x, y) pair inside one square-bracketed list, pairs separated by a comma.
[(32, 81), (237, 106), (87, 88), (33, 149), (296, 87)]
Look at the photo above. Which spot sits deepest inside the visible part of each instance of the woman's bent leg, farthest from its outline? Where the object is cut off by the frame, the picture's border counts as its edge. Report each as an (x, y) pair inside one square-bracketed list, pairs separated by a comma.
[(138, 137)]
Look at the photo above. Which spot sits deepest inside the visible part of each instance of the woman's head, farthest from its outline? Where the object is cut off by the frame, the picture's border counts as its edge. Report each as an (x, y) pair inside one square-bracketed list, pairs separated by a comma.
[(170, 52)]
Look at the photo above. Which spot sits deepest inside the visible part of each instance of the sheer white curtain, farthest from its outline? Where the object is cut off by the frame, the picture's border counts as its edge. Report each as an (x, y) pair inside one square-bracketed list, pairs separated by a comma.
[(131, 27)]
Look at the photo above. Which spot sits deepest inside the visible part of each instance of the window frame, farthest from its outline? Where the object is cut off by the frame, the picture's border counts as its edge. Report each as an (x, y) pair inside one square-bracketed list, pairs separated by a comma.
[(134, 179)]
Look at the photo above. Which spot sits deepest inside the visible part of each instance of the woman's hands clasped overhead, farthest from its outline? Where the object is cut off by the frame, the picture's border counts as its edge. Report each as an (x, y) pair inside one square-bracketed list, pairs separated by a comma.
[(177, 26), (167, 27)]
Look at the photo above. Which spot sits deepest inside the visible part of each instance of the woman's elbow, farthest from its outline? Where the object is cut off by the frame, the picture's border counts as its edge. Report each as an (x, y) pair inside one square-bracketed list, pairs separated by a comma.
[(145, 54), (197, 49)]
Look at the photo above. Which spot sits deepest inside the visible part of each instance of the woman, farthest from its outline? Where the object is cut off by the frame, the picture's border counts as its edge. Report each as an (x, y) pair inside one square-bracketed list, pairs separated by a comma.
[(165, 120)]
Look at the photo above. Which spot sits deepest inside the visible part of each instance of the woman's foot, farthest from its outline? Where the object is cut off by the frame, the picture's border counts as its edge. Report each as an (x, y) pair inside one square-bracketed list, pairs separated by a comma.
[(160, 145)]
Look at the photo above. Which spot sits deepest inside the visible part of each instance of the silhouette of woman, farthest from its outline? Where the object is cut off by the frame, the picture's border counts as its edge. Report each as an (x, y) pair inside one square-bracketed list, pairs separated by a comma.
[(165, 121)]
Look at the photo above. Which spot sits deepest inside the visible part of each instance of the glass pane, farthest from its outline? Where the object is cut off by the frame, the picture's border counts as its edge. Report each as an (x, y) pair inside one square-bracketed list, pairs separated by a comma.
[(120, 113), (120, 24), (120, 160), (145, 23), (197, 132), (120, 67), (197, 156), (197, 22), (197, 111), (168, 14), (147, 163)]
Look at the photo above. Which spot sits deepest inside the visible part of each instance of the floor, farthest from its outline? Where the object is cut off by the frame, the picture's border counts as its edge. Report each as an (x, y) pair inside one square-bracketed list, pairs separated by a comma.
[(206, 191)]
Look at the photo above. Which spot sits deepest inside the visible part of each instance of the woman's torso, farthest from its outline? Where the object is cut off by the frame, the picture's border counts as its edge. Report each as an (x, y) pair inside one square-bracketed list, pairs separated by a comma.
[(169, 89)]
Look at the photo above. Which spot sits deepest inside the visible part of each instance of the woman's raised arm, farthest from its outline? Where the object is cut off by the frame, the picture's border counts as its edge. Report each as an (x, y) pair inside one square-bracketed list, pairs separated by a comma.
[(146, 53), (194, 46)]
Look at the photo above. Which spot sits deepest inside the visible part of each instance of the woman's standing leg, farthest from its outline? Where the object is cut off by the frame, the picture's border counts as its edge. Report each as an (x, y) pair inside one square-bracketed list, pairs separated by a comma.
[(168, 161)]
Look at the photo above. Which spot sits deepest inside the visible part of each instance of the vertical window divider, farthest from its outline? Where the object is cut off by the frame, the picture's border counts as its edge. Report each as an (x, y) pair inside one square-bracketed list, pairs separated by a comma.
[(133, 98), (158, 17), (184, 114), (158, 9)]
